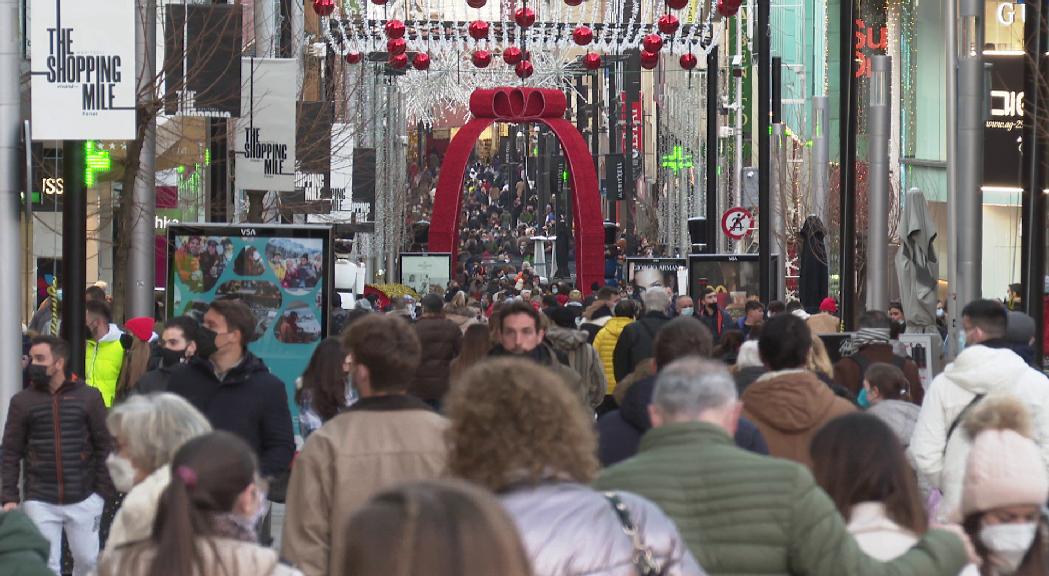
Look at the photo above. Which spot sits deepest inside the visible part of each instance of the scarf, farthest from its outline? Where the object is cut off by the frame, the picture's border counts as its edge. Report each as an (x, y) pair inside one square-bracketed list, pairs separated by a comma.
[(862, 338)]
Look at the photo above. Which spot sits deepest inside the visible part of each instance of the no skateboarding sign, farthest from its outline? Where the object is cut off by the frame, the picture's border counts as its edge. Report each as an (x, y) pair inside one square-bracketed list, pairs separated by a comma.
[(737, 222)]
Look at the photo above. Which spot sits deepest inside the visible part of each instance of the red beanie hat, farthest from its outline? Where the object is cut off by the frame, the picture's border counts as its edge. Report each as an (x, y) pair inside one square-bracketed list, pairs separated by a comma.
[(141, 327), (829, 305)]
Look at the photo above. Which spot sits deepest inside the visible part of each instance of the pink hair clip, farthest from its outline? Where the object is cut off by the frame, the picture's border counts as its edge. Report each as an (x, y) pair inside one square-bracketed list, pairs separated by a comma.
[(187, 475)]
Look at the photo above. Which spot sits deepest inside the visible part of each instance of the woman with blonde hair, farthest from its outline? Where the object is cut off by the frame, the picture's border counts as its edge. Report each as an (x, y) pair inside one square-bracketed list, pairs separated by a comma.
[(520, 431), (437, 528)]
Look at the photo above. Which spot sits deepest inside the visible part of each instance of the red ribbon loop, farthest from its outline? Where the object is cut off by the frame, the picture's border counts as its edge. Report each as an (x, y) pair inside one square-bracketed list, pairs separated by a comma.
[(518, 104)]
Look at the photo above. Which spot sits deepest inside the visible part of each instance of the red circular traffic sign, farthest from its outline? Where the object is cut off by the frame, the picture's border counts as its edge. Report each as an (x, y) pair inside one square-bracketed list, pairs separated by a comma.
[(737, 222)]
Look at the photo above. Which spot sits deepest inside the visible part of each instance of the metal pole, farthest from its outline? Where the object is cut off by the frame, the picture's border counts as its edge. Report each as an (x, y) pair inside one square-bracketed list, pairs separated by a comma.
[(1034, 147), (11, 290), (777, 89), (778, 207), (764, 154), (847, 155), (712, 152), (820, 157), (74, 252), (141, 269), (631, 91), (954, 305), (969, 150), (265, 28), (878, 189), (613, 134)]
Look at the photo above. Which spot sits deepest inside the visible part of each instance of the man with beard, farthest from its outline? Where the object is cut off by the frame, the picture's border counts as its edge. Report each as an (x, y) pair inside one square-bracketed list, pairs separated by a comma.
[(521, 333), (716, 319), (178, 343)]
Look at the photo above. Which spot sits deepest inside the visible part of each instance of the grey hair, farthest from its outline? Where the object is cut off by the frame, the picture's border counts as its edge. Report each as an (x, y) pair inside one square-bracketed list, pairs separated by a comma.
[(692, 385), (153, 427), (655, 299)]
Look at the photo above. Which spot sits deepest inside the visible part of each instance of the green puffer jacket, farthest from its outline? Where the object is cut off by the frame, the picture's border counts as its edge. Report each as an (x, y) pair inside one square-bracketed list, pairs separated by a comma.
[(23, 551), (741, 513)]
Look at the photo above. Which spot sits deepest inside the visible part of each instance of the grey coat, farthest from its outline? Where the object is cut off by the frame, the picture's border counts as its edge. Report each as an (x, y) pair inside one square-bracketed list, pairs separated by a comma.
[(899, 415), (569, 529)]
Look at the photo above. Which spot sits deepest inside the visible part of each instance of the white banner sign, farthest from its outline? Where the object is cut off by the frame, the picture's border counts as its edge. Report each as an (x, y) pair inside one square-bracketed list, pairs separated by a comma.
[(266, 127), (341, 192), (83, 69)]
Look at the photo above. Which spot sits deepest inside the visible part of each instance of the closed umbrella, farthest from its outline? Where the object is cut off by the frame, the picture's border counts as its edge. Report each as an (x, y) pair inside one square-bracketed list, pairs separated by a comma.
[(813, 273), (917, 266)]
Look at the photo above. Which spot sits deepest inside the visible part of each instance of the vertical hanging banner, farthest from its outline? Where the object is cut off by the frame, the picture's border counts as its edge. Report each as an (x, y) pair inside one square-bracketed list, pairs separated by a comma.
[(336, 200), (202, 64), (313, 138), (265, 138), (83, 69)]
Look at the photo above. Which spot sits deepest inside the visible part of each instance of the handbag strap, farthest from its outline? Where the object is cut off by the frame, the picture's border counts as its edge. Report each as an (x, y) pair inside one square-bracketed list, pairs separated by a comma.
[(643, 558)]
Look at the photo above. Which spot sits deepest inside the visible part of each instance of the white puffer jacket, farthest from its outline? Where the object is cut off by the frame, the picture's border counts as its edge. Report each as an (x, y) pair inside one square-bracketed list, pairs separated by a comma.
[(977, 370)]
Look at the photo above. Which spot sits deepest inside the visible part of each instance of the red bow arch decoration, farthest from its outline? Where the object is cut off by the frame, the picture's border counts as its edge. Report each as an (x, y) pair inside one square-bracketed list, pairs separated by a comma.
[(524, 105)]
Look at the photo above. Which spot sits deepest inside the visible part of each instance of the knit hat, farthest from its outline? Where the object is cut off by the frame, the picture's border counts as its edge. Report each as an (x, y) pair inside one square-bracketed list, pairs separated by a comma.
[(1004, 469), (829, 305), (141, 327)]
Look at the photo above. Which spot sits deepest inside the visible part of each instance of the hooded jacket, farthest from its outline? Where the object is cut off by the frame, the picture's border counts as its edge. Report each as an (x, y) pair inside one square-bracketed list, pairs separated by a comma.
[(441, 341), (789, 407), (218, 556), (979, 369), (102, 362), (249, 402), (23, 551), (582, 358), (545, 355), (899, 415), (605, 344)]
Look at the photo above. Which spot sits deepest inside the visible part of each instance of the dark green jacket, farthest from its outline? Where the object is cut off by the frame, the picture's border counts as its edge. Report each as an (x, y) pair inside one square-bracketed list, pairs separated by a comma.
[(741, 513), (23, 551)]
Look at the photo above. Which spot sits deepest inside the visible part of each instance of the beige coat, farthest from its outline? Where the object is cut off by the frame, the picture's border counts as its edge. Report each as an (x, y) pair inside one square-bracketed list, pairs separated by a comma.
[(219, 555), (377, 443), (134, 520)]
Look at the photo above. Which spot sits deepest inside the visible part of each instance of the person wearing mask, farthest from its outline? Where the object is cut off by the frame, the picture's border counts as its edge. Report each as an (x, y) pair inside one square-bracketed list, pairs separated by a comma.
[(178, 343), (235, 390), (437, 528), (477, 341), (825, 322), (753, 315), (566, 341), (441, 341), (620, 431), (56, 429), (206, 517), (716, 319), (605, 344), (1004, 492), (104, 352), (1014, 297), (742, 513), (138, 352), (387, 437), (521, 334), (870, 345), (684, 306), (147, 430), (635, 342), (886, 396), (325, 389), (986, 366), (789, 404), (870, 483), (898, 319), (518, 432)]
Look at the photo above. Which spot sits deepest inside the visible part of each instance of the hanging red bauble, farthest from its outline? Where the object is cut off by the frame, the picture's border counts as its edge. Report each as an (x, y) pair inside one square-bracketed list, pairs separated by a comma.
[(649, 59), (512, 55), (396, 46), (573, 2), (421, 61), (728, 8), (652, 43), (481, 58), (394, 29), (324, 7), (524, 17), (592, 61), (399, 61), (524, 69), (478, 29), (688, 61), (668, 24), (583, 35), (476, 3), (353, 57), (379, 2), (677, 4)]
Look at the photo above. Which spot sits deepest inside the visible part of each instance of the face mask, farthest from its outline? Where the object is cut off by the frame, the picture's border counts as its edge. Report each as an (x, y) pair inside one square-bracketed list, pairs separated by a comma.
[(121, 471), (862, 399), (687, 311), (1008, 544), (939, 313), (171, 357), (206, 342), (38, 374)]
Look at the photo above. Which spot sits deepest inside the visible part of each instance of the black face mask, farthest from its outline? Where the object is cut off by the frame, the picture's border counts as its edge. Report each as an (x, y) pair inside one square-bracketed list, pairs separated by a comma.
[(206, 342), (38, 375), (171, 357)]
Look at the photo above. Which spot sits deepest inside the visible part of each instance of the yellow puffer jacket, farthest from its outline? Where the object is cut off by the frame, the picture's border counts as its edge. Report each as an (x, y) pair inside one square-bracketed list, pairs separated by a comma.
[(103, 362), (605, 344)]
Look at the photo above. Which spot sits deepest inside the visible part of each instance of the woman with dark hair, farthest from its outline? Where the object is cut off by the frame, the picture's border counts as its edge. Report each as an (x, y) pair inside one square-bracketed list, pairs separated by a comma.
[(728, 347), (437, 528), (207, 517), (857, 459), (887, 393), (324, 390), (477, 341)]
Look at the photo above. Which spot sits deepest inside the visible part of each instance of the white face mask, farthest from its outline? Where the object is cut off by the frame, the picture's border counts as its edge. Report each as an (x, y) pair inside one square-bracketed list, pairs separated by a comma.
[(687, 311), (1008, 544), (122, 471)]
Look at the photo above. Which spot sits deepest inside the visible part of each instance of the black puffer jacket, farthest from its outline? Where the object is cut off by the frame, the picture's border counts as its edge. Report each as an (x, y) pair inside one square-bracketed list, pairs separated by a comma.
[(441, 341), (635, 343), (62, 438)]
